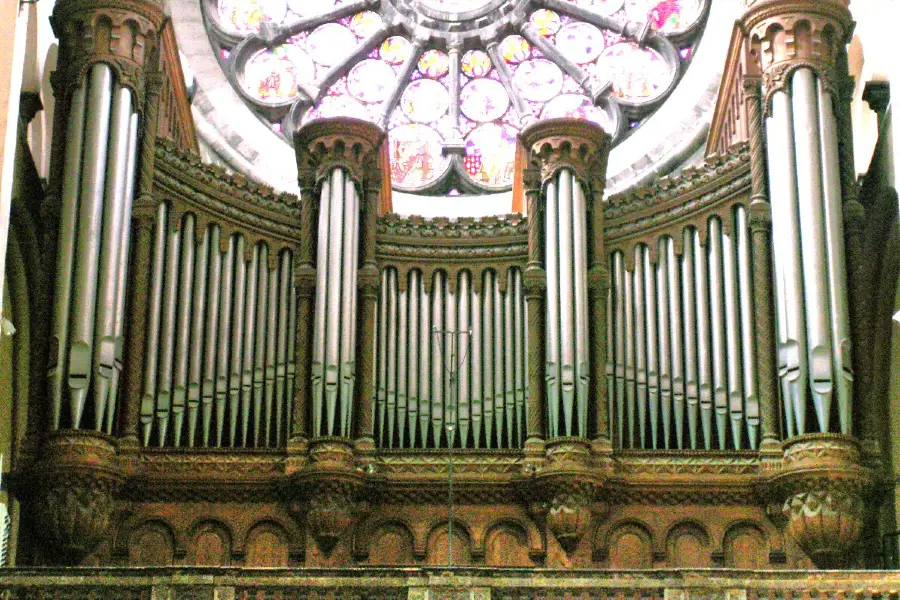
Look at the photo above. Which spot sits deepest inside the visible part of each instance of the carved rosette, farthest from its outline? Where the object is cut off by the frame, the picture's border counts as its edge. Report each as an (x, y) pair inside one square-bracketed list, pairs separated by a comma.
[(786, 35), (121, 33), (325, 493), (75, 483), (564, 491), (822, 488)]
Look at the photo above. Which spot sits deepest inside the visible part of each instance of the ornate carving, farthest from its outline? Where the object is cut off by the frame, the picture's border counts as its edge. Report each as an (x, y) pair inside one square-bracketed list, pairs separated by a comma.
[(569, 517), (350, 144), (77, 478), (579, 146), (824, 487)]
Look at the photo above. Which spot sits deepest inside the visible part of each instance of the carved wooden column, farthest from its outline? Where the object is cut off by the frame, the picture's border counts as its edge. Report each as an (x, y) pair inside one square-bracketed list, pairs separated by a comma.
[(566, 168), (820, 482), (339, 159), (535, 288), (108, 50)]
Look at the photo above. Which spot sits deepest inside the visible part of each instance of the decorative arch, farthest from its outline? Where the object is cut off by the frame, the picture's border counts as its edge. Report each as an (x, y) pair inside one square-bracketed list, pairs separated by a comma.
[(510, 543), (628, 545), (386, 542), (267, 544), (152, 543), (745, 546), (687, 545), (209, 543), (436, 546)]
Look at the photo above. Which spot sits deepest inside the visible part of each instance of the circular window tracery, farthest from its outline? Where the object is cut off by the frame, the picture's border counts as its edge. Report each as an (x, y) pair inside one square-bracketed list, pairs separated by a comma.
[(453, 81)]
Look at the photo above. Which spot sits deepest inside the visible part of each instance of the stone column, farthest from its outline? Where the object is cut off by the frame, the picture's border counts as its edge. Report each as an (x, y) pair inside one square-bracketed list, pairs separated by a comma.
[(565, 287), (339, 159), (108, 61), (821, 483)]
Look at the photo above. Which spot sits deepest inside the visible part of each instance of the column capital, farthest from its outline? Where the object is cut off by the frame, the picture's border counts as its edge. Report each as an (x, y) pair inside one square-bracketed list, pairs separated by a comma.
[(786, 35), (350, 144), (123, 34), (556, 144)]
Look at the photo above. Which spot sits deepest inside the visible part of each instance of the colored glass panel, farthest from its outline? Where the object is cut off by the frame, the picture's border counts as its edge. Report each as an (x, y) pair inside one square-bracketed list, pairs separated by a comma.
[(366, 23), (637, 74), (395, 49), (456, 5), (273, 75), (490, 154), (370, 81), (538, 80), (330, 43), (577, 106), (476, 63), (434, 63), (416, 156), (483, 100), (580, 42), (546, 21), (601, 7), (425, 100), (666, 16), (514, 49)]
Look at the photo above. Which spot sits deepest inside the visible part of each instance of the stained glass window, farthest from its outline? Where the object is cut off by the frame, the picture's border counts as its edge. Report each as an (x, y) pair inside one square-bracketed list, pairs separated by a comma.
[(454, 81)]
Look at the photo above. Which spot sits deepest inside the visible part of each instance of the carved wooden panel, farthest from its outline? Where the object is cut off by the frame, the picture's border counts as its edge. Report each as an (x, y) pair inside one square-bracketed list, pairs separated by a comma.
[(688, 546), (267, 546), (438, 547), (630, 547), (392, 544), (507, 546), (211, 545), (152, 544), (745, 548)]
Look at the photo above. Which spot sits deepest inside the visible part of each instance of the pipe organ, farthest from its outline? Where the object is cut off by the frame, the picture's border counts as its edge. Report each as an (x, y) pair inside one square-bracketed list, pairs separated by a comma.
[(220, 356), (96, 198), (681, 366), (451, 351)]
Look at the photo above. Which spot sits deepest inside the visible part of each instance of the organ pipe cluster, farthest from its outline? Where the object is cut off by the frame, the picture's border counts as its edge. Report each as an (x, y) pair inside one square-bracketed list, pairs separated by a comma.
[(451, 354), (97, 193), (681, 364), (220, 343), (334, 327), (814, 356), (568, 372)]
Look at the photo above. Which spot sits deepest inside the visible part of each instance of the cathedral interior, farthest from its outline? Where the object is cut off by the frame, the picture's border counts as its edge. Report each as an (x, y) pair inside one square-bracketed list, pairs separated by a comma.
[(426, 299)]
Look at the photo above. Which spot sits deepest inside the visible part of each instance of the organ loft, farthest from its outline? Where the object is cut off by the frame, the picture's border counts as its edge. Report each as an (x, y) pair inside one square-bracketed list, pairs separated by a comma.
[(365, 291)]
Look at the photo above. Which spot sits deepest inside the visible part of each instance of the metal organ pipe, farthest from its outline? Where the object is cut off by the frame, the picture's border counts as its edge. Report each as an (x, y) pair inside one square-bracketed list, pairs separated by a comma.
[(628, 284), (437, 358), (732, 337), (90, 217), (652, 347), (195, 378), (717, 312), (271, 367), (465, 341), (391, 339), (748, 346), (153, 323), (262, 334), (183, 328), (665, 355), (475, 360), (237, 337), (688, 299), (566, 282), (225, 292), (553, 303), (425, 382), (413, 390), (167, 342), (401, 350), (450, 362), (282, 406), (487, 356), (71, 185), (579, 275), (677, 341), (250, 333), (211, 334), (497, 346), (619, 275), (318, 354), (704, 355), (640, 358)]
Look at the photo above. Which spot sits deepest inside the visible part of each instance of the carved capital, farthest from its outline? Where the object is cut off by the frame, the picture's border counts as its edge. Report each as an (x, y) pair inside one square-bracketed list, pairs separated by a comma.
[(350, 144), (786, 35), (75, 483), (556, 144), (822, 487)]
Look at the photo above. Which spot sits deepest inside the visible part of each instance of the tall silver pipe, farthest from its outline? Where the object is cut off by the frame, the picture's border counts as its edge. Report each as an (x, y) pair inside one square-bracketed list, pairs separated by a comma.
[(837, 276), (733, 340), (437, 357), (610, 357), (237, 338), (451, 365), (477, 367), (333, 314), (717, 312), (211, 337), (665, 353), (652, 345), (425, 382), (148, 401), (413, 394), (353, 263), (382, 374), (271, 354), (498, 347), (487, 357), (640, 349), (183, 328), (748, 332), (124, 253), (318, 354), (689, 302), (520, 345), (786, 238), (284, 286), (582, 368), (566, 300), (90, 222), (677, 346), (704, 353), (812, 244), (292, 352), (113, 226), (222, 373), (628, 284), (259, 352), (348, 269), (391, 339), (68, 224), (195, 377), (509, 393), (167, 343), (250, 337), (619, 286), (551, 264), (463, 323), (402, 341)]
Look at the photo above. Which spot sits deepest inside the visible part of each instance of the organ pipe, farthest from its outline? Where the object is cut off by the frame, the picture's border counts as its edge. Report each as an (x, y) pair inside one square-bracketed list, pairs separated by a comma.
[(628, 285), (222, 381), (704, 351), (413, 390), (553, 304), (237, 337), (748, 346), (196, 360), (153, 325), (426, 384), (250, 333), (262, 335), (665, 355), (182, 329), (401, 351), (652, 346), (465, 338), (640, 364), (719, 325), (497, 347), (318, 355), (688, 300), (488, 316), (580, 235), (676, 338), (282, 412), (477, 371), (167, 342), (732, 337), (90, 217)]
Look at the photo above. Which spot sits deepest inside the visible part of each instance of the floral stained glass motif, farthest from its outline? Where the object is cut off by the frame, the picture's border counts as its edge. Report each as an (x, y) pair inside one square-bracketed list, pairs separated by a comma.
[(454, 101)]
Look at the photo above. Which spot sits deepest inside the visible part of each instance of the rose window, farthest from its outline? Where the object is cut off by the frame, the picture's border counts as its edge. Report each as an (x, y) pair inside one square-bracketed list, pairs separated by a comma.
[(453, 81)]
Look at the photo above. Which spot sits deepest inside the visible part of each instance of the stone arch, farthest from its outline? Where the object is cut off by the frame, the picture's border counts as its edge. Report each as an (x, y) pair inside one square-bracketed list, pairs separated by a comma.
[(267, 544), (745, 546), (209, 543), (152, 543), (509, 543), (436, 547), (629, 545), (687, 545)]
